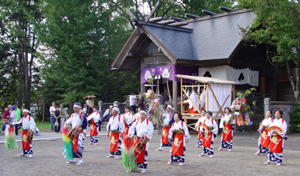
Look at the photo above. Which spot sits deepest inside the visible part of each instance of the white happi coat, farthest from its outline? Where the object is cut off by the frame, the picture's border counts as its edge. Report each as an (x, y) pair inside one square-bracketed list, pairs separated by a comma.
[(142, 128), (265, 122), (128, 118), (178, 126), (201, 119), (26, 124), (75, 120), (115, 124), (95, 116), (225, 118), (167, 118), (208, 123), (282, 124)]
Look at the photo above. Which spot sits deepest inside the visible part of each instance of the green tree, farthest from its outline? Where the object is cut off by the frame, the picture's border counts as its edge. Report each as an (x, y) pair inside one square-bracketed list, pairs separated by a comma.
[(277, 23), (18, 18), (74, 43)]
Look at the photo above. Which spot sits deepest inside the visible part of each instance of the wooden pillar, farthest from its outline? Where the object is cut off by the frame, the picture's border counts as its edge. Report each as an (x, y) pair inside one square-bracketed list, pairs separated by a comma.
[(143, 87), (175, 96), (263, 81)]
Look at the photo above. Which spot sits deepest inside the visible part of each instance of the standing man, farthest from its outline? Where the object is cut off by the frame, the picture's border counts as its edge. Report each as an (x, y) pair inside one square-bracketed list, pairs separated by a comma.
[(62, 116), (168, 121), (6, 116), (107, 114), (132, 98), (18, 112), (27, 123), (141, 101), (52, 111), (116, 127), (78, 121), (142, 128)]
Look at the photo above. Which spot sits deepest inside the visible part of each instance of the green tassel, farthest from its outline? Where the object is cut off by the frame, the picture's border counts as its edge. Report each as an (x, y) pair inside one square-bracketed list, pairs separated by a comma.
[(128, 162), (68, 150), (10, 143)]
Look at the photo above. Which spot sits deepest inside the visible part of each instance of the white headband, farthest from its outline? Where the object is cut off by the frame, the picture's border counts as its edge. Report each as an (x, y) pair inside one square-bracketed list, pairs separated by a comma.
[(26, 110), (77, 106), (116, 109), (169, 106), (144, 112)]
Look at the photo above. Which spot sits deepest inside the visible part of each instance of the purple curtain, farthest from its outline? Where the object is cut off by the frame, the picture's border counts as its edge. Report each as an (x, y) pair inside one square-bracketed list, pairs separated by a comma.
[(167, 72)]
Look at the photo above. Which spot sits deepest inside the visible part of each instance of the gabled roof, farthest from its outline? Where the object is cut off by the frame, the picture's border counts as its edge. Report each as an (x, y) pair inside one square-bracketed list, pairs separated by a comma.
[(207, 38), (217, 37)]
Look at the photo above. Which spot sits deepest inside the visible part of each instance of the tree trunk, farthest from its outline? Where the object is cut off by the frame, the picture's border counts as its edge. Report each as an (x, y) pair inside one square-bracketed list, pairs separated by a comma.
[(20, 82), (43, 109), (295, 87), (70, 107)]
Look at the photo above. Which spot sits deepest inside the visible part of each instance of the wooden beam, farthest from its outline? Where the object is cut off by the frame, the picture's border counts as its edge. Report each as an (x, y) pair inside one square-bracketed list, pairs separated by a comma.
[(191, 101), (175, 96)]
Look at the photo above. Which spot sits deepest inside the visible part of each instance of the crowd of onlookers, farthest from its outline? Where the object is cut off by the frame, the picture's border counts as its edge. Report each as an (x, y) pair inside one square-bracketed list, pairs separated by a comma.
[(11, 114)]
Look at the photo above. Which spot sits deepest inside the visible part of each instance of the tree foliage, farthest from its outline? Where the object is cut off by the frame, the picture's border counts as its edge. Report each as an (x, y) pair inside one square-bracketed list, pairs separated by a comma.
[(277, 23)]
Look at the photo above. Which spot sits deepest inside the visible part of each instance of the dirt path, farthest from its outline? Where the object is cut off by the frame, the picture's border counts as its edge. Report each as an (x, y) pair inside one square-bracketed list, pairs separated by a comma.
[(48, 160)]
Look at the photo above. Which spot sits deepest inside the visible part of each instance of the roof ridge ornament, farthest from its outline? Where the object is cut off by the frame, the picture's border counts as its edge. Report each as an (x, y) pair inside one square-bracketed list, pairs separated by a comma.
[(207, 12)]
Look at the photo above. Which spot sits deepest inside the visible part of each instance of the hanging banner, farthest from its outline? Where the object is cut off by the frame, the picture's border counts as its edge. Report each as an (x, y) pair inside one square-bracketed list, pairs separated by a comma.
[(168, 72)]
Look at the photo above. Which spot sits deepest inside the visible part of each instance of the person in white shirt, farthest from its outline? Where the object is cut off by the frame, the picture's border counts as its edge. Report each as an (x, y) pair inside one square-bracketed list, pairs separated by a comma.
[(227, 123), (13, 115), (264, 139), (52, 119), (77, 120), (27, 123), (168, 121), (115, 129), (107, 114), (210, 130), (94, 119), (180, 136), (132, 98), (128, 119), (142, 128), (198, 125), (277, 138)]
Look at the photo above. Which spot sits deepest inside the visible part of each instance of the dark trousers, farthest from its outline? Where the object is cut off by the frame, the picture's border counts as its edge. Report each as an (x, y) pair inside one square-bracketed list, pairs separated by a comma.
[(132, 108)]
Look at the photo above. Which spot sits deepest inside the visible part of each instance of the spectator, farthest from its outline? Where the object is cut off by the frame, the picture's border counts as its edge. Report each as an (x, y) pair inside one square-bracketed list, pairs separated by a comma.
[(18, 112), (162, 99), (13, 115), (62, 116), (141, 100), (57, 119), (132, 98), (107, 114), (6, 115), (67, 113), (52, 110)]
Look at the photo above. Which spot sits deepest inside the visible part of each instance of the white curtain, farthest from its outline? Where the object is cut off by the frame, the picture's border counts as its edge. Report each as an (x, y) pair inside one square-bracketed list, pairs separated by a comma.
[(221, 92), (242, 76)]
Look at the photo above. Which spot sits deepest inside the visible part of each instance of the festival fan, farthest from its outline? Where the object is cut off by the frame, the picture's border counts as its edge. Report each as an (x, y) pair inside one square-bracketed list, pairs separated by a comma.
[(128, 157), (10, 138), (277, 129), (68, 144)]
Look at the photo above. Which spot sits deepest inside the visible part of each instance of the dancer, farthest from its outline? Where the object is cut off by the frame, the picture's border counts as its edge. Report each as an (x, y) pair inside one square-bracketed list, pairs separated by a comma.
[(198, 125), (127, 117), (210, 130), (143, 129), (116, 127), (79, 123), (227, 123), (168, 121), (28, 125), (180, 136), (94, 118), (278, 129), (264, 139)]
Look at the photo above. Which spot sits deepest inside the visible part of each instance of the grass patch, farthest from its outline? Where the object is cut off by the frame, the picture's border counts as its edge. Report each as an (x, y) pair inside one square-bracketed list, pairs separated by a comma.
[(42, 126)]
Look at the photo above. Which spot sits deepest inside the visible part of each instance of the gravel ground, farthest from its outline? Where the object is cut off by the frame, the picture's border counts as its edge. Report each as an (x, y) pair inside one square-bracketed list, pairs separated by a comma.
[(48, 160)]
